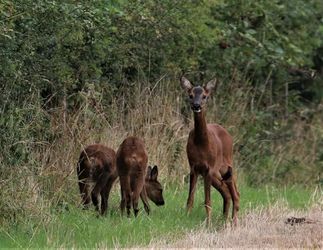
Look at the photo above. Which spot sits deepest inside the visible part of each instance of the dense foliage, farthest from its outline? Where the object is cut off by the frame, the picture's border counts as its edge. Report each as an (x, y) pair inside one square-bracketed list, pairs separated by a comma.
[(60, 46)]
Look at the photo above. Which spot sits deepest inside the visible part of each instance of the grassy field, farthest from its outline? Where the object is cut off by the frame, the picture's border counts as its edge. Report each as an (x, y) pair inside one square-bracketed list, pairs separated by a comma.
[(260, 228), (69, 226)]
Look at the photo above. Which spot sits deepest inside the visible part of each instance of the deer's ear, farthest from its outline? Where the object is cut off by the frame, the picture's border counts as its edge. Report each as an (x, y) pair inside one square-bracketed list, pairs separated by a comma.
[(149, 171), (186, 84), (210, 85), (154, 173)]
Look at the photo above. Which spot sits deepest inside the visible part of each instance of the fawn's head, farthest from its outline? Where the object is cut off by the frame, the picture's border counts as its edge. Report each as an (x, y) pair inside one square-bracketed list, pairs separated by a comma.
[(197, 95), (153, 188)]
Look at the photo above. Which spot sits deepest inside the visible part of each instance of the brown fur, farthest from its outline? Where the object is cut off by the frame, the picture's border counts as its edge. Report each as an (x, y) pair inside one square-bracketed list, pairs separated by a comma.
[(209, 151), (97, 167), (135, 179)]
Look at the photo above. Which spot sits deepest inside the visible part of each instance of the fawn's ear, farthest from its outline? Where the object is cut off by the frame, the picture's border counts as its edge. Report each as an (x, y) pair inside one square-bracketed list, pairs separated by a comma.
[(149, 171), (154, 173), (210, 85), (186, 84)]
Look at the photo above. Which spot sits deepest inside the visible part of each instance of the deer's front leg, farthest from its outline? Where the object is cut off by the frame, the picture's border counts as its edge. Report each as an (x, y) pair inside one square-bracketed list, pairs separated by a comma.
[(207, 192), (144, 198), (190, 200)]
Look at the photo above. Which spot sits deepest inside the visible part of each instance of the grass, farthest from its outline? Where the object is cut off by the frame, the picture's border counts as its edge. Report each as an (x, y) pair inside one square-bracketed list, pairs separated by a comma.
[(72, 227), (47, 178), (261, 228)]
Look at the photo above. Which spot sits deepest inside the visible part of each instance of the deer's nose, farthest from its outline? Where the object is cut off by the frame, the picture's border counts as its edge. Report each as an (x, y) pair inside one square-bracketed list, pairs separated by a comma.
[(161, 203), (196, 105)]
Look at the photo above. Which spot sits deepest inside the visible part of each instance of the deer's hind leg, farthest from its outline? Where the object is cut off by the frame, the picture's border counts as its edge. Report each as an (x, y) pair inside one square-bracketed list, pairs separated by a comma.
[(84, 186), (235, 199), (105, 192), (85, 193), (225, 193), (137, 185), (235, 195), (125, 194), (98, 190)]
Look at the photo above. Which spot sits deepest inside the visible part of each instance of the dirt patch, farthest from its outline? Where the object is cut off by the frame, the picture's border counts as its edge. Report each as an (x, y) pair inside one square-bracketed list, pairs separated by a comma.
[(276, 226)]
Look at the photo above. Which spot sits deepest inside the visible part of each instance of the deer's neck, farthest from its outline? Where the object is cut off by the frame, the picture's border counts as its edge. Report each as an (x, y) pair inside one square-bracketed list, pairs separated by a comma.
[(200, 128)]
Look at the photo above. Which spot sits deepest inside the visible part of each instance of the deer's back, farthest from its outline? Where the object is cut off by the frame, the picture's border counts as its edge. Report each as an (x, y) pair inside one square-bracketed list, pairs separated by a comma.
[(97, 159), (132, 157)]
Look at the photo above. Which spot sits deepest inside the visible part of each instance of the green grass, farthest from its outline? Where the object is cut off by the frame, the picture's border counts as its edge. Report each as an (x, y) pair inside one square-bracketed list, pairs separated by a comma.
[(78, 228)]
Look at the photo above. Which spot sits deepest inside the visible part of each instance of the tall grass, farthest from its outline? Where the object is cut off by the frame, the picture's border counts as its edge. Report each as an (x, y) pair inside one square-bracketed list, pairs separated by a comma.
[(269, 147)]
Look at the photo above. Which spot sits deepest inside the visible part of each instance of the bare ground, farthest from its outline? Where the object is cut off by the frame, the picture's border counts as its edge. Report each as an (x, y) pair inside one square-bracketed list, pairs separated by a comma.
[(273, 227)]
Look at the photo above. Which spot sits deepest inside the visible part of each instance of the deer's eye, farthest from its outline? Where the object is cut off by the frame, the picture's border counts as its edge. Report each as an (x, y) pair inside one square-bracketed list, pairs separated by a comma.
[(204, 97), (191, 96)]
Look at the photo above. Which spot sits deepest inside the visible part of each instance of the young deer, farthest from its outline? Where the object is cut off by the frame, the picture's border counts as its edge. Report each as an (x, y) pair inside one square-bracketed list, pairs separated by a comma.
[(135, 179), (96, 170), (209, 150)]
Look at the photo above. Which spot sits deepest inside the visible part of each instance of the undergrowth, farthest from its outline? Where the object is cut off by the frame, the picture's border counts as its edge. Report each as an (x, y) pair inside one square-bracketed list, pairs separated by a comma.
[(274, 150)]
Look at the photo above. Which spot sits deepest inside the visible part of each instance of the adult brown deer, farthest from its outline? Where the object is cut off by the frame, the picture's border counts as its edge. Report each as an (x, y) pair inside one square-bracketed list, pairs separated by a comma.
[(209, 150), (96, 170), (135, 179)]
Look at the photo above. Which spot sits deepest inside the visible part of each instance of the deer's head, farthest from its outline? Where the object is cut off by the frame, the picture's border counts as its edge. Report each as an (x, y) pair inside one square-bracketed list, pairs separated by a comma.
[(197, 95), (153, 188)]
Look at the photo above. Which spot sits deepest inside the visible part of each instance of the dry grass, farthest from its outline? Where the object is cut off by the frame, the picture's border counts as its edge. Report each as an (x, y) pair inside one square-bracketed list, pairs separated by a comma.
[(260, 228), (162, 118)]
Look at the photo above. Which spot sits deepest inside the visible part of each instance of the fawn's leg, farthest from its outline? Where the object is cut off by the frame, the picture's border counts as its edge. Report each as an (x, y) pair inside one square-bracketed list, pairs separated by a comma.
[(126, 193), (144, 198), (137, 185), (105, 192), (85, 193)]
